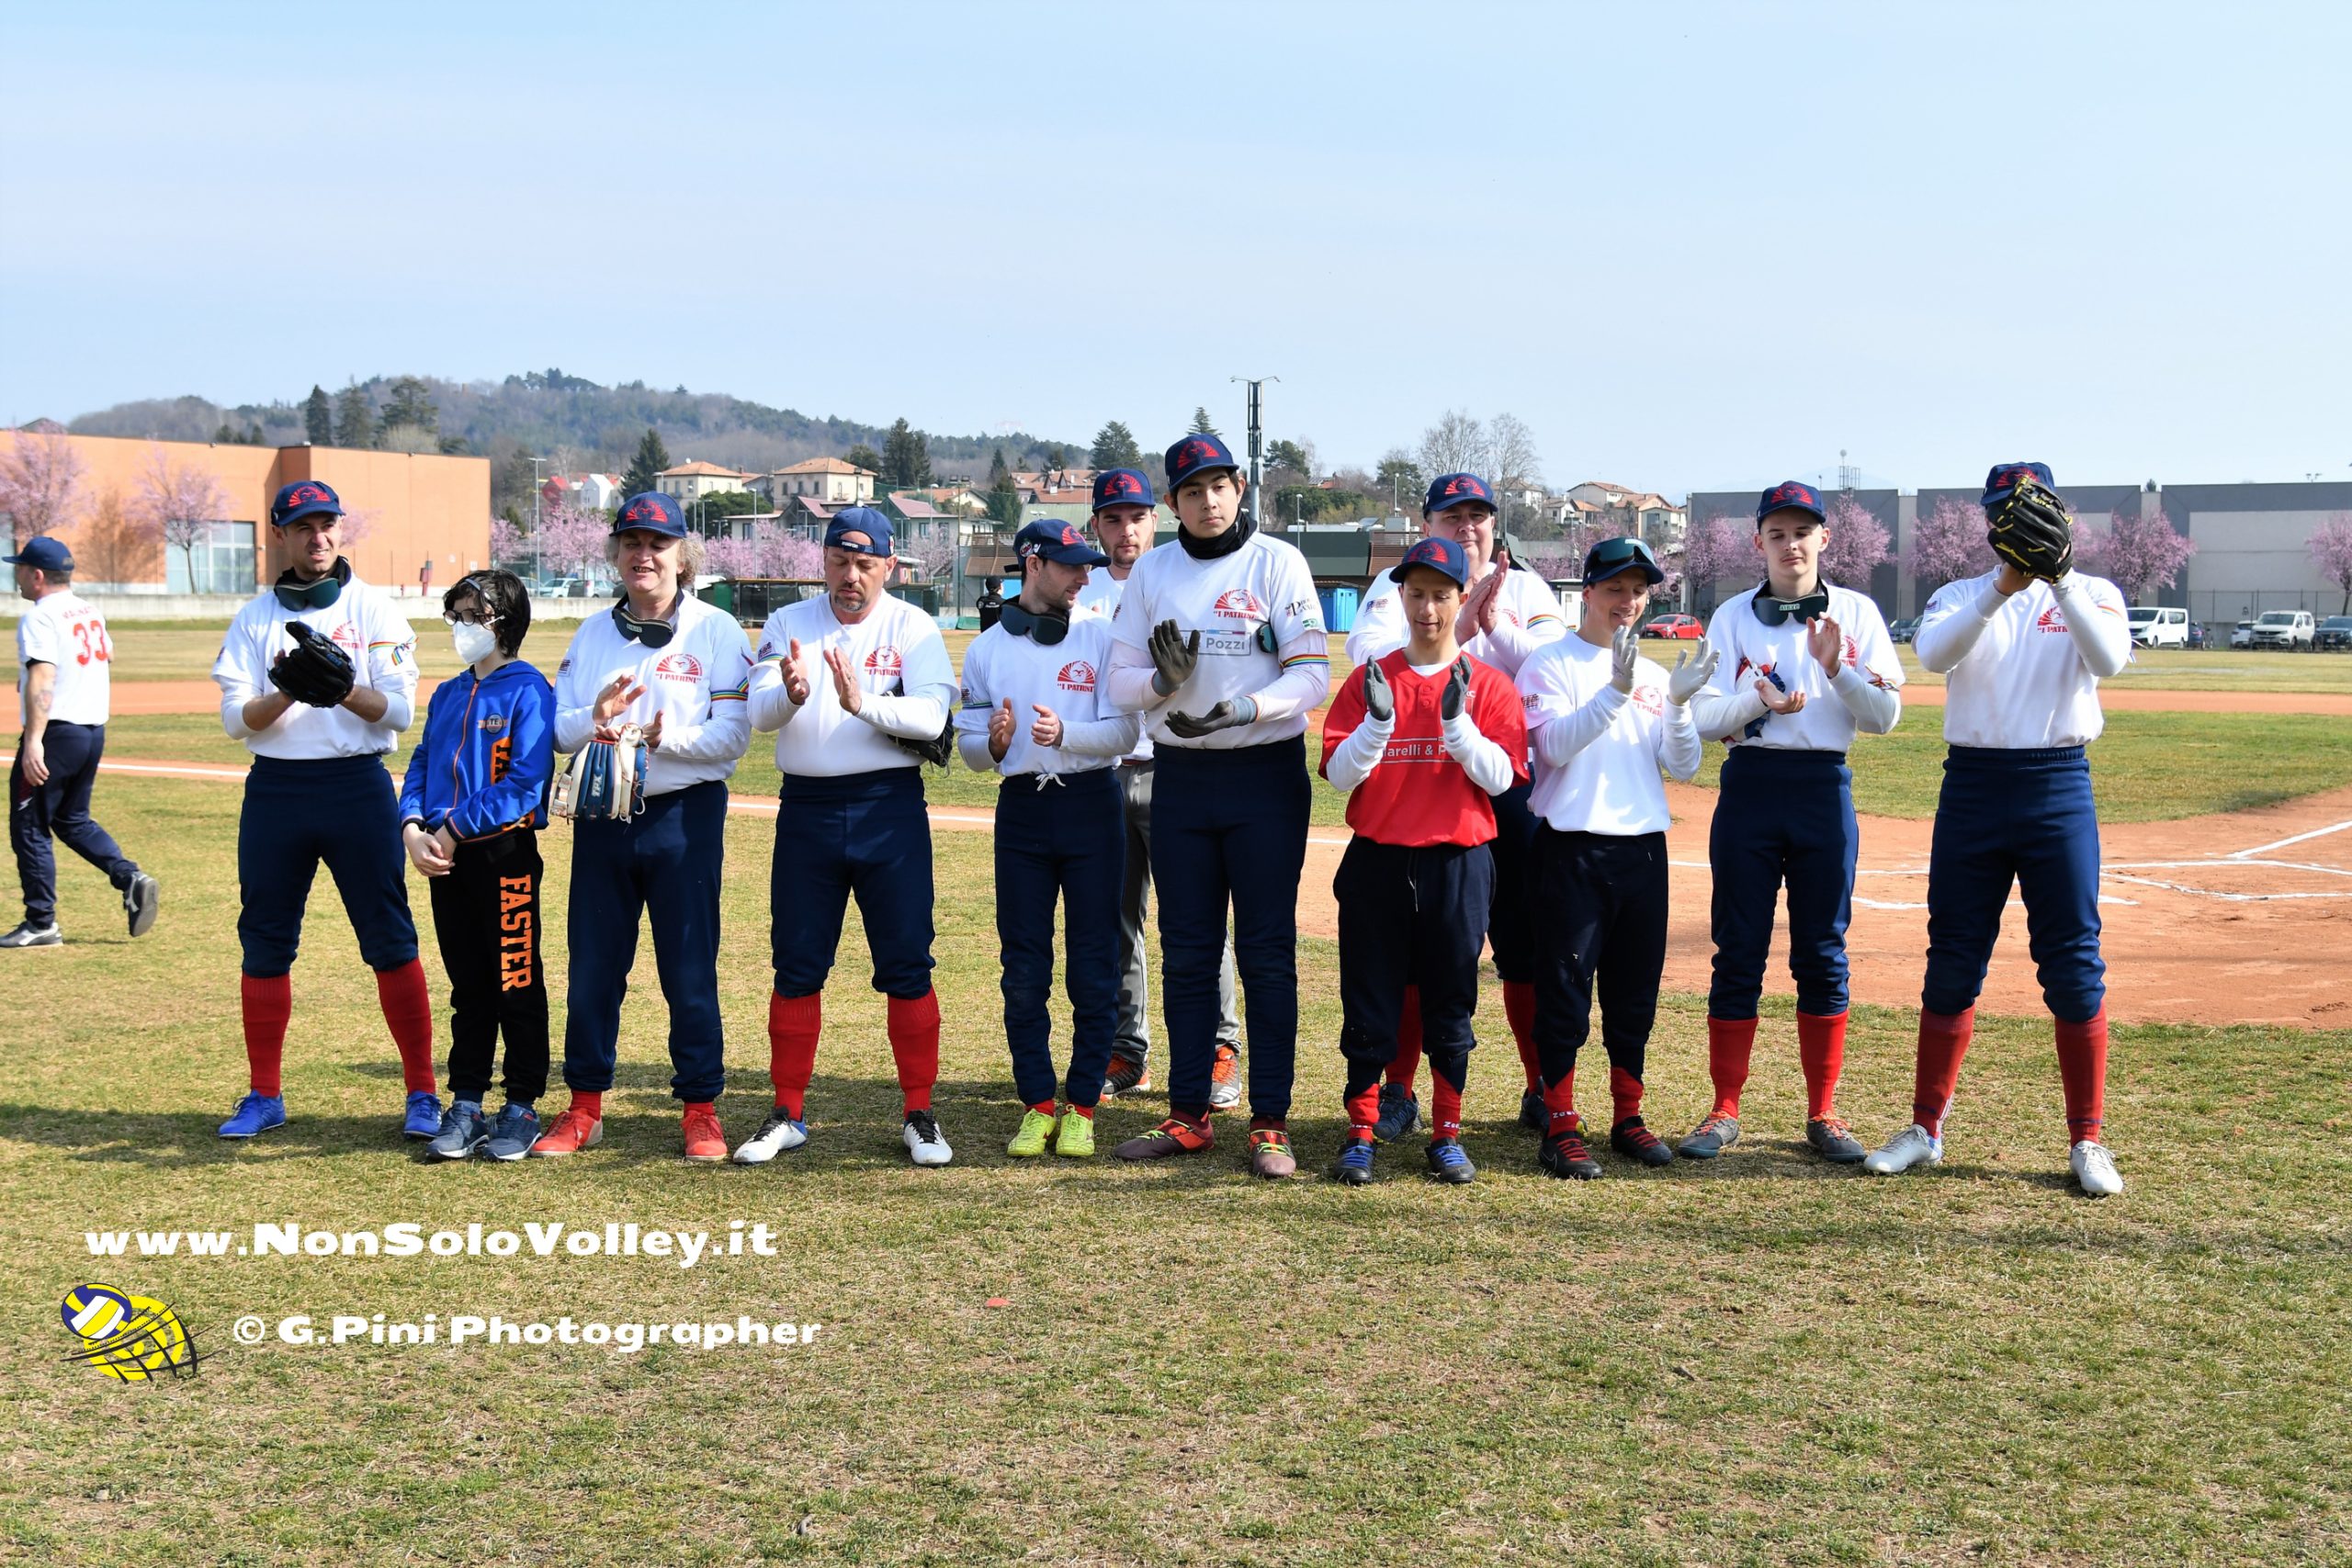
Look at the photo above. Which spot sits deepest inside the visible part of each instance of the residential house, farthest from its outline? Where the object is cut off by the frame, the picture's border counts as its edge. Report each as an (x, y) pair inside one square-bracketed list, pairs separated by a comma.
[(830, 481), (694, 480)]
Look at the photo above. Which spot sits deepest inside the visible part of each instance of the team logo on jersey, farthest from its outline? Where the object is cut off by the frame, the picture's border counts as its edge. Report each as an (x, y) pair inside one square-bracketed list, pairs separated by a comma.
[(679, 666), (884, 660), (565, 666), (1240, 604), (1650, 700), (767, 652), (493, 722), (1853, 650), (129, 1337), (2052, 621), (1077, 675), (347, 636)]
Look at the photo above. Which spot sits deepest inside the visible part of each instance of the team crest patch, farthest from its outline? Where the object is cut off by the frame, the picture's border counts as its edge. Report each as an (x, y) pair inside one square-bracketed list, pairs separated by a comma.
[(883, 660), (493, 722), (679, 666), (1241, 605), (1650, 700), (1077, 675), (2050, 621)]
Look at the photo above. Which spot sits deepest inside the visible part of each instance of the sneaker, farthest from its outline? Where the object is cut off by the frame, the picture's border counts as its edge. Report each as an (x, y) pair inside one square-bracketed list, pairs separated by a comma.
[(1270, 1154), (1399, 1114), (423, 1119), (706, 1140), (1834, 1141), (780, 1132), (1129, 1074), (1173, 1136), (1449, 1164), (30, 935), (139, 902), (1913, 1146), (1531, 1114), (1036, 1135), (1634, 1141), (925, 1144), (572, 1132), (511, 1133), (1713, 1135), (1225, 1079), (2095, 1170), (1563, 1155), (1074, 1135), (1354, 1168), (463, 1131), (256, 1113)]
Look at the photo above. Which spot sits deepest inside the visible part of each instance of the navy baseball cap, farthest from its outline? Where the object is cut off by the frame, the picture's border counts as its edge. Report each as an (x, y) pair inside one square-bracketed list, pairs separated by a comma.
[(1196, 455), (1789, 495), (2007, 477), (303, 498), (652, 511), (1060, 543), (863, 520), (1121, 486), (1454, 490), (42, 554), (1438, 555), (1610, 557)]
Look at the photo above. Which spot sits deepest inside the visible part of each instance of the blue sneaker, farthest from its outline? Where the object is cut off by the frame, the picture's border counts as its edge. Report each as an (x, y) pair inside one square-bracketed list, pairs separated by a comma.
[(1400, 1113), (255, 1113), (1354, 1165), (1449, 1164), (424, 1115), (463, 1129), (512, 1136)]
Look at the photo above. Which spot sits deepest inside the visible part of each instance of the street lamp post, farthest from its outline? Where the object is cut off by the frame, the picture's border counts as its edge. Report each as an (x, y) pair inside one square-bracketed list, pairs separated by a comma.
[(538, 565)]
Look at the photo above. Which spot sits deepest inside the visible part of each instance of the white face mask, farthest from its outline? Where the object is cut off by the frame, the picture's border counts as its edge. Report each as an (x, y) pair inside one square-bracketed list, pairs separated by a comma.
[(474, 643)]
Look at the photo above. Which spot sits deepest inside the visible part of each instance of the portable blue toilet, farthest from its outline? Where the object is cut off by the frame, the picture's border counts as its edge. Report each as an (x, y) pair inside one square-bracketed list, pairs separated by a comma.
[(1341, 615), (1329, 598)]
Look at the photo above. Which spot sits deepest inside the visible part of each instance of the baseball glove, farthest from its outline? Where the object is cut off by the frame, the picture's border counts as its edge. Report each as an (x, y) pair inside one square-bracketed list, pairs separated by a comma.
[(935, 751), (315, 671), (2032, 530), (605, 781)]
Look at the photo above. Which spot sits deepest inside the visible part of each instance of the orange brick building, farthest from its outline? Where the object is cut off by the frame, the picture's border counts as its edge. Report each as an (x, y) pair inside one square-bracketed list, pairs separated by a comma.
[(404, 510)]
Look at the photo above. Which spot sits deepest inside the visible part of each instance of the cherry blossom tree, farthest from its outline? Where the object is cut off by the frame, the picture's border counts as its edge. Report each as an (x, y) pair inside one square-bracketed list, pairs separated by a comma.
[(2331, 548), (508, 544), (1948, 544), (1858, 544), (1714, 549), (41, 483), (570, 541), (2137, 554), (178, 504)]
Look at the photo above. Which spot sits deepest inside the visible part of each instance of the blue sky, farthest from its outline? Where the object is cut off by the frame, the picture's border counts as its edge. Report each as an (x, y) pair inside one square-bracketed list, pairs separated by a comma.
[(1690, 245)]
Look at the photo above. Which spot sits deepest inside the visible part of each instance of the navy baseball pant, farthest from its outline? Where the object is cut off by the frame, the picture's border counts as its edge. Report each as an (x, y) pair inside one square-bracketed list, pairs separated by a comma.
[(1410, 917), (1601, 903), (1228, 830), (297, 813), (2022, 817), (665, 863), (60, 805), (1782, 817), (865, 834), (1064, 842), (1510, 919)]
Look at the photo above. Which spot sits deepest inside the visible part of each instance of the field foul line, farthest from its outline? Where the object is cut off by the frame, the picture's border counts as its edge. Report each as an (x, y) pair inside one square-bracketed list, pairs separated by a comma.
[(2315, 833)]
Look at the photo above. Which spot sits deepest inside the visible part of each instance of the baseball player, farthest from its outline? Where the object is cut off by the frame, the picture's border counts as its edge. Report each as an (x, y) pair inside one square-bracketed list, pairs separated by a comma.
[(471, 803), (1219, 642), (856, 687), (661, 661), (1423, 741), (1603, 721), (1799, 666), (1033, 712), (1125, 519), (318, 678), (2023, 649), (63, 658), (1508, 614)]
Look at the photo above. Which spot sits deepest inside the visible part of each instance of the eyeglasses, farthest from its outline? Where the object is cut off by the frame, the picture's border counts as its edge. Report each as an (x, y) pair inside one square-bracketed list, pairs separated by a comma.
[(469, 617)]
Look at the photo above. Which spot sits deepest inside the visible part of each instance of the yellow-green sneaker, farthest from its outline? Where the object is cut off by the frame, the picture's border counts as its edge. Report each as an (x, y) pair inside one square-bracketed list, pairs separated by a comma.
[(1075, 1137), (1037, 1132)]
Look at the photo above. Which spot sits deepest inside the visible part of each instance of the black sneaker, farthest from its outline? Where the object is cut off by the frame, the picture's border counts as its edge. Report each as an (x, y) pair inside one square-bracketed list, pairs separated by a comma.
[(1400, 1113), (30, 935), (1354, 1168), (1127, 1075), (1449, 1164), (1563, 1155), (139, 902), (1531, 1110), (1634, 1141)]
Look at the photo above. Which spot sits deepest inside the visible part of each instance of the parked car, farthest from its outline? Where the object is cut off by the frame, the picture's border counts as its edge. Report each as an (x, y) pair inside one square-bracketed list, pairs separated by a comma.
[(2158, 625), (2197, 637), (1905, 630), (2283, 629), (2242, 635), (2334, 634), (1684, 627)]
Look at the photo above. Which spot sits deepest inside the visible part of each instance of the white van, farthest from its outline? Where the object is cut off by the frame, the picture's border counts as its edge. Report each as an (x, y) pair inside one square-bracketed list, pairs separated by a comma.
[(2283, 629), (2158, 625)]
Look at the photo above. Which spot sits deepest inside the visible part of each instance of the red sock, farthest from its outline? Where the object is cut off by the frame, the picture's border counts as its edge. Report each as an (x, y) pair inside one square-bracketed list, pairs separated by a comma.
[(408, 1009), (1625, 1090), (1821, 1046), (1408, 1040), (1445, 1106), (1043, 1108), (584, 1103), (794, 1023), (2082, 1065), (1085, 1111), (1730, 1042), (1364, 1109), (268, 1002), (1560, 1104), (914, 1047), (1519, 1007), (1943, 1041)]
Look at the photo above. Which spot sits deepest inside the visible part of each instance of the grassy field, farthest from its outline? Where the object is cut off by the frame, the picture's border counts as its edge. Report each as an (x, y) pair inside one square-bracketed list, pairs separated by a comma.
[(1763, 1361)]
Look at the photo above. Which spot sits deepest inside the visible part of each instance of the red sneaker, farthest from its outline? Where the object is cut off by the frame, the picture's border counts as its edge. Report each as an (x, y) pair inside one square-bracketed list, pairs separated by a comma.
[(572, 1132), (706, 1140), (1173, 1136)]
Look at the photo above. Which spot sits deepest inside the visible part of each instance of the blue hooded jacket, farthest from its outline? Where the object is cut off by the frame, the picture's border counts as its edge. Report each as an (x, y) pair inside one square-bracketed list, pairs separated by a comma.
[(487, 757)]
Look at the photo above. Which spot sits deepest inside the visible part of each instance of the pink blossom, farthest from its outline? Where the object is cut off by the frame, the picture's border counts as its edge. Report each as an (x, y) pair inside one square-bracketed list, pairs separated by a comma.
[(41, 480), (2137, 554), (2332, 553), (1949, 544)]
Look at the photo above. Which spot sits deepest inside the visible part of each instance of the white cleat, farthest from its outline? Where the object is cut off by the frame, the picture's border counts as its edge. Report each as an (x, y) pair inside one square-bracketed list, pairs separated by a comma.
[(927, 1144), (1913, 1146), (2095, 1170), (777, 1133)]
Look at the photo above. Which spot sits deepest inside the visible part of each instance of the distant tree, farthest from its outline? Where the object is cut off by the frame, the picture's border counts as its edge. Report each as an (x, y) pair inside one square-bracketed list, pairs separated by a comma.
[(770, 554), (411, 403), (1057, 457), (645, 468), (2137, 554), (1114, 447), (1511, 451), (1401, 479), (111, 547), (509, 543), (571, 539), (354, 422), (905, 458), (1948, 544), (40, 484), (864, 456), (177, 505), (1712, 550), (998, 470), (1291, 457), (1456, 444), (1201, 425), (1858, 543), (2331, 547), (1004, 501), (317, 417)]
